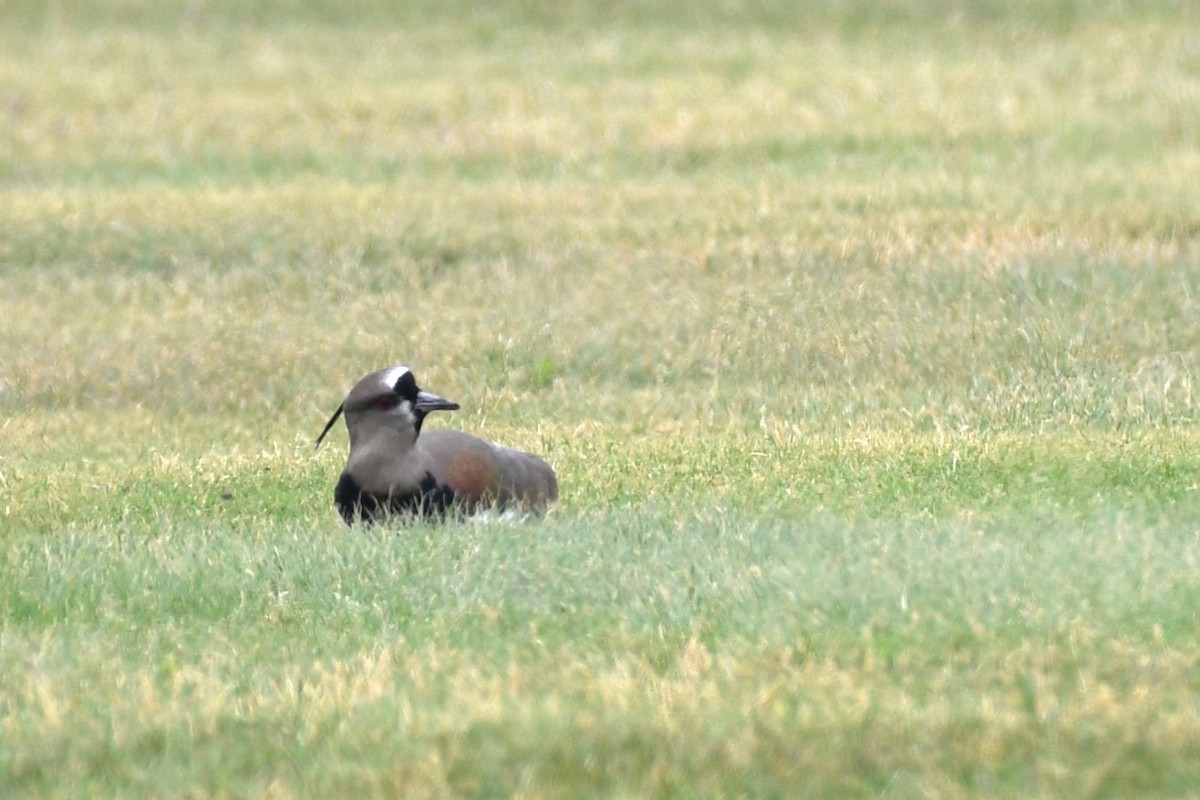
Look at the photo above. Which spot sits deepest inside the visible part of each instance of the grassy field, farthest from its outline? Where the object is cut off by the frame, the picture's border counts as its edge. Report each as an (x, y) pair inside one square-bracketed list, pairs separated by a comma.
[(863, 336)]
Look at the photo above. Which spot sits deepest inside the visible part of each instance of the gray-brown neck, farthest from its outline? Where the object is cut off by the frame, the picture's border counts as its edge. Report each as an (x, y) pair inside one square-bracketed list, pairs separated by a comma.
[(384, 455)]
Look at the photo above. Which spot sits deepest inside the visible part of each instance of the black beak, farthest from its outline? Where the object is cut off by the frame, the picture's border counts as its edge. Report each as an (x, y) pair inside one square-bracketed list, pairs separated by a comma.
[(427, 401), (329, 424)]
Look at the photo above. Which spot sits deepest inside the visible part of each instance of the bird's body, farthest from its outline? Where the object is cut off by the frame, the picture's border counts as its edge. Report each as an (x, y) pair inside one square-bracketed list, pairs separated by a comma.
[(395, 469)]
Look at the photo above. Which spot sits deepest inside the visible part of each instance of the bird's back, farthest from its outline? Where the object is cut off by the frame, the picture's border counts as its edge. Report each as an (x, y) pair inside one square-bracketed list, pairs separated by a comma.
[(484, 474)]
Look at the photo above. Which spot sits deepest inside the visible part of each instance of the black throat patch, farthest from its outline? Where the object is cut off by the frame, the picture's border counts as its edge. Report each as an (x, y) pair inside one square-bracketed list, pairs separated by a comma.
[(429, 500)]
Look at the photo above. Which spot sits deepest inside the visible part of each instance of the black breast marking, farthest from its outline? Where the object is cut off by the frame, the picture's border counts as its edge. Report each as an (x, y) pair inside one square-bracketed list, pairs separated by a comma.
[(429, 500)]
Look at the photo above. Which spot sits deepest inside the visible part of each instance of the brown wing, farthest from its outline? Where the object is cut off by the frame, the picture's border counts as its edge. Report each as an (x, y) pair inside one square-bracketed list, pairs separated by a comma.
[(483, 474)]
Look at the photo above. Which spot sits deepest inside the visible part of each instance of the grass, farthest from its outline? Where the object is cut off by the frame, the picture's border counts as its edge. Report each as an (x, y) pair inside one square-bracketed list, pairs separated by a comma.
[(628, 652), (863, 338)]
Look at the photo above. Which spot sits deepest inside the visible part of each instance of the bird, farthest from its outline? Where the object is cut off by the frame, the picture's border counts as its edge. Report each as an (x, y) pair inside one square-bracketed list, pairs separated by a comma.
[(395, 470)]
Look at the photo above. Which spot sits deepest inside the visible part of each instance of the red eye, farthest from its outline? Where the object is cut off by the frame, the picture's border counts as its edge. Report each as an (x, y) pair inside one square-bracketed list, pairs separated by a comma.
[(387, 403)]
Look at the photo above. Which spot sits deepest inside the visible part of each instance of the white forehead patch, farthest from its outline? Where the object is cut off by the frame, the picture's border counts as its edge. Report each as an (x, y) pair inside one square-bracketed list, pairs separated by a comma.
[(392, 374)]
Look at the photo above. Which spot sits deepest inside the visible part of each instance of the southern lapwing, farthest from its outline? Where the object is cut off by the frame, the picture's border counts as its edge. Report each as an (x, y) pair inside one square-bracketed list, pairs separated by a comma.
[(394, 468)]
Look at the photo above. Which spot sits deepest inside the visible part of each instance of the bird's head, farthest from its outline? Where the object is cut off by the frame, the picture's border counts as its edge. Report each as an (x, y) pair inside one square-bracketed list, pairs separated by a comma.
[(390, 401)]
